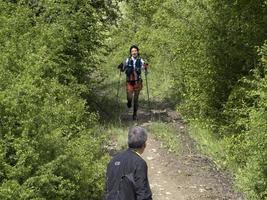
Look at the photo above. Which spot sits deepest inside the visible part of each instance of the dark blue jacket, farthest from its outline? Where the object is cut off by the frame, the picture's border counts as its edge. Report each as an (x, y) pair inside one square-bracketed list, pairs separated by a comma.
[(130, 164)]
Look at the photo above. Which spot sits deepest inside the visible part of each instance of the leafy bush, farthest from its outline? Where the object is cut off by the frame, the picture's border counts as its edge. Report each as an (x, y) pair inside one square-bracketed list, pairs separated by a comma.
[(247, 149), (50, 147)]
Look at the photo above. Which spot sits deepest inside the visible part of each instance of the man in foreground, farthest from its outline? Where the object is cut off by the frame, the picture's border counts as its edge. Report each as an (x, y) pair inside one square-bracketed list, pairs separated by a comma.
[(127, 172)]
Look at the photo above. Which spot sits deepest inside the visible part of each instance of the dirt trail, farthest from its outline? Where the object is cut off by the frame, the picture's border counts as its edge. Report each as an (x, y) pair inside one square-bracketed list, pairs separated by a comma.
[(188, 176), (163, 181)]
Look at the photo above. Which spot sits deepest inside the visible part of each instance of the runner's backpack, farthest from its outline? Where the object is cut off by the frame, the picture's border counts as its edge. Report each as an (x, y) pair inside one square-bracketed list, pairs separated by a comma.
[(133, 74)]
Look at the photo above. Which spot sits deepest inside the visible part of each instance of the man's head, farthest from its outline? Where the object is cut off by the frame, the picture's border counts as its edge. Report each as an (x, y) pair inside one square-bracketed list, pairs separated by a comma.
[(137, 137), (134, 51)]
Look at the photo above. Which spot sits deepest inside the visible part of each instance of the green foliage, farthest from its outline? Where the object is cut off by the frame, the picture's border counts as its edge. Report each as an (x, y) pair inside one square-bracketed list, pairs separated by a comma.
[(50, 147), (120, 134), (247, 149), (167, 134), (208, 143), (203, 55)]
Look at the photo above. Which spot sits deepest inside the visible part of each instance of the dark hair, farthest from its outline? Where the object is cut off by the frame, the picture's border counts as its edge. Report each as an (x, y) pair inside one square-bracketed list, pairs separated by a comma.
[(134, 47), (137, 137)]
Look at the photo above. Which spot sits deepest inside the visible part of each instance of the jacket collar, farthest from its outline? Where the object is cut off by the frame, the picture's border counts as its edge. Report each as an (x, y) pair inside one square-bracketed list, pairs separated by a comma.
[(130, 149)]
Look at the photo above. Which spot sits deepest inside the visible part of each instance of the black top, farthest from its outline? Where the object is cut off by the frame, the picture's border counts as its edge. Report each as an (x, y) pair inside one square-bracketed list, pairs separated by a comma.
[(125, 163)]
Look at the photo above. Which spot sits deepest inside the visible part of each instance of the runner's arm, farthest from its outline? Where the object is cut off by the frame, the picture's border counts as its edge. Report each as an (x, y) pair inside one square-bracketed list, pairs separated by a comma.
[(125, 63), (144, 65)]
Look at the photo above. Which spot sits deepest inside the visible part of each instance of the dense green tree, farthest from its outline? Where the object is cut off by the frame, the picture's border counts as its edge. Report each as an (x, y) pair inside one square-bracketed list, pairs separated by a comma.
[(50, 145)]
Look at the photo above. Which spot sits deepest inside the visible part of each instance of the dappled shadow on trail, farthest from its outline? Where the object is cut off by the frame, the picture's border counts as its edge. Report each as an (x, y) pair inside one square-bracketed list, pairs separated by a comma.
[(113, 110), (158, 111)]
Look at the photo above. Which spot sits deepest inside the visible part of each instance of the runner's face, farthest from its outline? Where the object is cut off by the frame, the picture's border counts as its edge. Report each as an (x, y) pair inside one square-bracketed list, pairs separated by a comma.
[(134, 52)]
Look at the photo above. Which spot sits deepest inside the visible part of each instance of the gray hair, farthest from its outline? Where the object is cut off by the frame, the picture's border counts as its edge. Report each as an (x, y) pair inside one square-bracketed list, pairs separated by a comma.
[(137, 137)]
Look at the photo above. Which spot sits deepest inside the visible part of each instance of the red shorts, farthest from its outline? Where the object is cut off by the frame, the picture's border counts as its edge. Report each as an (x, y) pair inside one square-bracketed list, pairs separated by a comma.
[(130, 87)]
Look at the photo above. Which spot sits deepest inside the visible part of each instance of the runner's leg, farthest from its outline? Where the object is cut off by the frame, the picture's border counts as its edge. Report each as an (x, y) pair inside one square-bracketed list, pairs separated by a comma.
[(136, 96), (129, 98)]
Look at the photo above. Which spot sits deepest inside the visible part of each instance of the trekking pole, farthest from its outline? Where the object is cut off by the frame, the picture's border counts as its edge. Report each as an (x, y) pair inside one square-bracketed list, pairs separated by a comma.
[(118, 89), (147, 91)]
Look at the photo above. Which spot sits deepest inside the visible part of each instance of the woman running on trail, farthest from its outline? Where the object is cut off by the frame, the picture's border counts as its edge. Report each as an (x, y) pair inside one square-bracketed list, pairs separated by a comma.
[(133, 67)]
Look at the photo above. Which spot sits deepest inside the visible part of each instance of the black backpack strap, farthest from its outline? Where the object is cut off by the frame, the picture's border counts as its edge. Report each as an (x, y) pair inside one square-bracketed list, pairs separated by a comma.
[(138, 66), (126, 189), (129, 67)]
